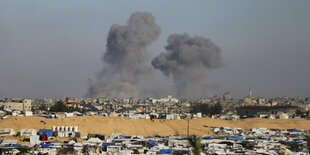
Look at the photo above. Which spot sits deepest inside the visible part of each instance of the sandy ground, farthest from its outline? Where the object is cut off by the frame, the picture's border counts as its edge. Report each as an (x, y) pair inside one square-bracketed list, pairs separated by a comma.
[(126, 126)]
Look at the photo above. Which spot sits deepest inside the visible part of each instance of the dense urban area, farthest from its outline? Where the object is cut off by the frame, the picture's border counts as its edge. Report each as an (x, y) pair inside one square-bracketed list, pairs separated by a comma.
[(67, 139)]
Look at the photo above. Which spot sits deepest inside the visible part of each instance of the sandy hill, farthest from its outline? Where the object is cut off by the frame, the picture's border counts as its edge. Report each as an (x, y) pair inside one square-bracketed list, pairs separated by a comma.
[(126, 126)]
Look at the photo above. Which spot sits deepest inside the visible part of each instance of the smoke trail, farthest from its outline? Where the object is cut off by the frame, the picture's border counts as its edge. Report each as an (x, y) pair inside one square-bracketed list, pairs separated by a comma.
[(126, 59), (189, 61)]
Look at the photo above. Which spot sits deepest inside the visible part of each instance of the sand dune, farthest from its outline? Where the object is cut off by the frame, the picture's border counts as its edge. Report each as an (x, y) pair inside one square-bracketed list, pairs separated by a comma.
[(126, 126)]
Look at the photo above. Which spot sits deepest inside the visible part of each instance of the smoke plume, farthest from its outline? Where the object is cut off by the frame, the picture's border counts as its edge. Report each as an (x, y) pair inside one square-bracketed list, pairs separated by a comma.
[(189, 61), (126, 58)]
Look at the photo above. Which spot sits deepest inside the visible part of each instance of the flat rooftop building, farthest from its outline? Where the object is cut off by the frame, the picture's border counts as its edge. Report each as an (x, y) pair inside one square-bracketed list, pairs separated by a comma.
[(16, 104)]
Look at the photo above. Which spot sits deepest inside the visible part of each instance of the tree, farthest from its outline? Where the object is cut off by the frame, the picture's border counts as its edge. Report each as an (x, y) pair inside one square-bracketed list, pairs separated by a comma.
[(195, 142), (42, 107), (59, 106), (299, 112), (207, 109), (308, 142)]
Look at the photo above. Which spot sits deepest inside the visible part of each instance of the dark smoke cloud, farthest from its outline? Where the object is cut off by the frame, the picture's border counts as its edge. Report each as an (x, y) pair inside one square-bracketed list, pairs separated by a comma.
[(126, 58), (189, 61)]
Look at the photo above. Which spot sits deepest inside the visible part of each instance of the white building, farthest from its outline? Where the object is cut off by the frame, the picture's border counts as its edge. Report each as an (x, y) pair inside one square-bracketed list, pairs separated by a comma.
[(168, 99), (17, 104)]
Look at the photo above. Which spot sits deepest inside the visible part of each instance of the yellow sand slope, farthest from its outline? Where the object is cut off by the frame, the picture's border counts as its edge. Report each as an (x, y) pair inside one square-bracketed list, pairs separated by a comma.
[(126, 126)]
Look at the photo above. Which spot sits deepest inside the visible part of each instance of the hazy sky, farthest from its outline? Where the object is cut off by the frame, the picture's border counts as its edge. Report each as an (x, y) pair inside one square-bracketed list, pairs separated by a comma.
[(52, 48)]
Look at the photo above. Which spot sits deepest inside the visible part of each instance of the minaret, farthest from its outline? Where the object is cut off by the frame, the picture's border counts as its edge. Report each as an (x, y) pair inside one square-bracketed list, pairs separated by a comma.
[(250, 92)]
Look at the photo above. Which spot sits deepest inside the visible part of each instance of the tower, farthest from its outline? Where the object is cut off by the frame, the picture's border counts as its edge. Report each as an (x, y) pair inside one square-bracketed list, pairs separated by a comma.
[(250, 92)]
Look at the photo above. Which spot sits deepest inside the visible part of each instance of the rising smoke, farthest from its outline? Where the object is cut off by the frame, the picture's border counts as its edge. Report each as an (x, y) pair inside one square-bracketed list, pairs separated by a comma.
[(126, 58), (189, 61)]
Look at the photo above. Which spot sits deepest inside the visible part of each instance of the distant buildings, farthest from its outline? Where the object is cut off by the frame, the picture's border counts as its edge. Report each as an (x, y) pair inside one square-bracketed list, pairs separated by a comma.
[(168, 99), (16, 104), (252, 111), (227, 96)]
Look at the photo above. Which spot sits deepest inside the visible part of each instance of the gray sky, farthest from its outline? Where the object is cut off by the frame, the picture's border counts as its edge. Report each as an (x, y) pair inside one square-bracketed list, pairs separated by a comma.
[(52, 48)]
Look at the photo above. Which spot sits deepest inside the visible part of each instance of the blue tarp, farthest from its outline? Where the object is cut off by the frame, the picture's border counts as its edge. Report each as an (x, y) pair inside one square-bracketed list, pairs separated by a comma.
[(46, 145), (213, 127), (152, 143), (292, 130), (16, 145), (107, 144), (236, 138), (49, 132), (207, 138), (165, 151), (289, 143)]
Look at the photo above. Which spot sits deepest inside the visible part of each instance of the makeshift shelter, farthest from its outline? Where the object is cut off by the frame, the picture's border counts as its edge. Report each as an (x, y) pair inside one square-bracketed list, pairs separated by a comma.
[(7, 132), (44, 137), (165, 151), (105, 144), (71, 142), (48, 132), (8, 142), (69, 114), (77, 146), (27, 132), (46, 145), (93, 141), (35, 139), (28, 113)]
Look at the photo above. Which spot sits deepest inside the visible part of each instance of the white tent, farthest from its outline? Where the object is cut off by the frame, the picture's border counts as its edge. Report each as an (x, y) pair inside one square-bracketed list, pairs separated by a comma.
[(8, 142), (28, 113), (7, 132), (77, 146), (93, 141), (71, 142), (34, 140), (28, 132)]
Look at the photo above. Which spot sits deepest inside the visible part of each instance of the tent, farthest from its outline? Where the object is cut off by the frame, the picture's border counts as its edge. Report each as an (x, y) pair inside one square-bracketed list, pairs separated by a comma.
[(238, 138), (9, 142), (49, 132), (207, 138), (71, 142), (46, 145), (105, 144), (151, 143), (16, 145), (93, 141), (165, 151), (77, 146), (7, 132), (44, 137), (27, 132)]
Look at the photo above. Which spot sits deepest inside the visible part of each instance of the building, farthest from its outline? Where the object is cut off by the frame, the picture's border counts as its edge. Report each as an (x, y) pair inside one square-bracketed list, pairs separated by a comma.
[(16, 104), (168, 99), (252, 111), (227, 96)]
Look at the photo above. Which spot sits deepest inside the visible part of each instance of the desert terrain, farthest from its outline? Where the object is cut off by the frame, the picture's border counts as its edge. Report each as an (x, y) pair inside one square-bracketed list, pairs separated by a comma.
[(127, 126)]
